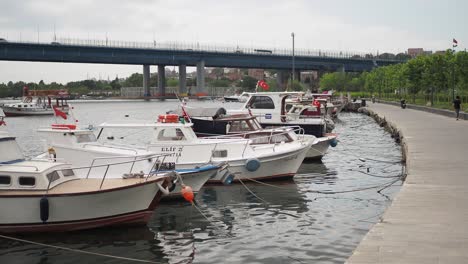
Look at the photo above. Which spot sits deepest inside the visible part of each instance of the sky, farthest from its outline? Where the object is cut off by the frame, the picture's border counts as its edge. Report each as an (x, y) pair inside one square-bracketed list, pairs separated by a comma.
[(338, 25)]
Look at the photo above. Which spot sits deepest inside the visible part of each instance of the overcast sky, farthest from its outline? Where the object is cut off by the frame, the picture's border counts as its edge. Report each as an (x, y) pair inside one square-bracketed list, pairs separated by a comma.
[(358, 25)]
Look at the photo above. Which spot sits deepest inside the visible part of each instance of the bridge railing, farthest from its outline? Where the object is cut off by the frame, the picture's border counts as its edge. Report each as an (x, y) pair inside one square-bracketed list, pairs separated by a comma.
[(181, 46)]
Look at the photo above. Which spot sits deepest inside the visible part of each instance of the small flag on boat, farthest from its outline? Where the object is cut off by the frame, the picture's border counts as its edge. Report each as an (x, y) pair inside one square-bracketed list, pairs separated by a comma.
[(57, 112), (263, 85), (2, 122), (455, 43)]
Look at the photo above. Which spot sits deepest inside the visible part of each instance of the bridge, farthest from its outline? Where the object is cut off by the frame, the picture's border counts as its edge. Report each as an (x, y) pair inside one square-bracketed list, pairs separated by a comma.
[(183, 55)]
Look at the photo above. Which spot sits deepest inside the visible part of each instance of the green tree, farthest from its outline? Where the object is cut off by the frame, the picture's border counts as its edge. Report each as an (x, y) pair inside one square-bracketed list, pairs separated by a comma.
[(135, 80), (248, 83)]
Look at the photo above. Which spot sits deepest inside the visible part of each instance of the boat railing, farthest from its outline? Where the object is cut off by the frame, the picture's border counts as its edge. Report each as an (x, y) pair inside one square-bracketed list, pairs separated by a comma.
[(135, 159), (275, 132)]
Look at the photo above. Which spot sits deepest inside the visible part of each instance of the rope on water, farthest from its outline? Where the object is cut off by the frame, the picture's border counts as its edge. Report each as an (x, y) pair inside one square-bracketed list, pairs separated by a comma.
[(247, 188), (76, 250)]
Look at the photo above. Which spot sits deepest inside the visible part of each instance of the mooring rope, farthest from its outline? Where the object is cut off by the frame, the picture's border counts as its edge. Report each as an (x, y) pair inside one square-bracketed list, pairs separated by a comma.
[(76, 250)]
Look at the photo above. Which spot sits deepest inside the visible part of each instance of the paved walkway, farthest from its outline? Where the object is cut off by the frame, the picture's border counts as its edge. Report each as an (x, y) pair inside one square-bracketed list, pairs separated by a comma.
[(428, 220)]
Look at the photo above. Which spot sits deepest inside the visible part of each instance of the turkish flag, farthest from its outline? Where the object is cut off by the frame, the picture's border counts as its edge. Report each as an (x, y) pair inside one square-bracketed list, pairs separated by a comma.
[(263, 85), (60, 113)]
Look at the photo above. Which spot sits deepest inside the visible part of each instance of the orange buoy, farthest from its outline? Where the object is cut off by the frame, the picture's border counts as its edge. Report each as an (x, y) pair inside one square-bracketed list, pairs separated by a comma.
[(187, 193)]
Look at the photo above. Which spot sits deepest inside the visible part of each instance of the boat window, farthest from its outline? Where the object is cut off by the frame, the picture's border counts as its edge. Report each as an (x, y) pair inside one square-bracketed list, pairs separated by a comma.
[(68, 172), (53, 176), (5, 180), (239, 126), (83, 138), (170, 134), (27, 181), (261, 102), (280, 138), (19, 105)]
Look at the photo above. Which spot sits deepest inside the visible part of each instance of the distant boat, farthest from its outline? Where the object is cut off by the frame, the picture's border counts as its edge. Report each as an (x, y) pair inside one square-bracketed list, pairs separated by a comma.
[(236, 98), (271, 110), (38, 102)]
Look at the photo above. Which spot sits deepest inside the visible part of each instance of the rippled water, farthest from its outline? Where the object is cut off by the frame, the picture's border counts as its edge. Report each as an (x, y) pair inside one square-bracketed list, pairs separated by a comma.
[(288, 222)]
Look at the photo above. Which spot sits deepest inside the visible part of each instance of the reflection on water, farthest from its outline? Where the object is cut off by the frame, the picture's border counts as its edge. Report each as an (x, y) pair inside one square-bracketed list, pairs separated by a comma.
[(291, 221)]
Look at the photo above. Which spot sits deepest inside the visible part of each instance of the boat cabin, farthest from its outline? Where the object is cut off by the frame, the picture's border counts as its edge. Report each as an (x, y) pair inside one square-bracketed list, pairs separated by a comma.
[(37, 175)]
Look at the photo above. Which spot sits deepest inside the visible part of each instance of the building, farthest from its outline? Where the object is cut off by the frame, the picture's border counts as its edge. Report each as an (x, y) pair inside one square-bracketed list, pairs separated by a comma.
[(234, 74), (258, 74), (413, 52)]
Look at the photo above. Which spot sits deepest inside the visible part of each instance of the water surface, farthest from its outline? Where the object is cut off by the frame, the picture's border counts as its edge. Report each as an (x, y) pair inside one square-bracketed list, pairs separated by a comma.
[(319, 217)]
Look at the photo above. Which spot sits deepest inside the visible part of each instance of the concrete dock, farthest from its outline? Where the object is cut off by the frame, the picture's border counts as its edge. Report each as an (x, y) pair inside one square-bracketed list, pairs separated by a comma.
[(428, 220)]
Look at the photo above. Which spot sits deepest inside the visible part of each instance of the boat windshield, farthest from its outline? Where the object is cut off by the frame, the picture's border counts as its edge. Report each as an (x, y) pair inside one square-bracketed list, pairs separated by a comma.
[(170, 134)]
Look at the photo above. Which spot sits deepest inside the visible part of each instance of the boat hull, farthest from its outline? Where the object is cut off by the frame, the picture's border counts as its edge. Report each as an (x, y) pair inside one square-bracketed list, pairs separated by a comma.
[(273, 167), (196, 179), (131, 204), (14, 111)]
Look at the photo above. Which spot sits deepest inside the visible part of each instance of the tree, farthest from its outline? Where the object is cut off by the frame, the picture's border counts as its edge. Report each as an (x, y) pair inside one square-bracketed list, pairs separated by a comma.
[(248, 83), (135, 80)]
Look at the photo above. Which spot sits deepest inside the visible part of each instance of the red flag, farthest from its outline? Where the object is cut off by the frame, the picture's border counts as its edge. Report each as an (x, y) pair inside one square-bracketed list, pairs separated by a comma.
[(2, 122), (264, 85), (57, 112)]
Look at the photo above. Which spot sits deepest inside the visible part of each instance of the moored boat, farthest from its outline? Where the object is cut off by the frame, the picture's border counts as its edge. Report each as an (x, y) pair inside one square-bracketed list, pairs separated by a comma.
[(272, 160), (270, 110), (247, 126), (38, 102), (81, 148), (45, 195)]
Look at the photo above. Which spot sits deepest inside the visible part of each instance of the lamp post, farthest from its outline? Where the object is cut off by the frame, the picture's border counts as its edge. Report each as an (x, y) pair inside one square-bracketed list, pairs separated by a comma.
[(292, 35)]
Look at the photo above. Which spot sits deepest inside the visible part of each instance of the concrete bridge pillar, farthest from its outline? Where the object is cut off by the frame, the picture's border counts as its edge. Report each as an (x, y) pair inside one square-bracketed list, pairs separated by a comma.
[(183, 80), (162, 80), (146, 81), (201, 77)]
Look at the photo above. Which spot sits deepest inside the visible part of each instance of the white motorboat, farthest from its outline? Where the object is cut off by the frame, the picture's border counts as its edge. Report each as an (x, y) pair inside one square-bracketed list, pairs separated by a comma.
[(80, 148), (45, 195), (270, 110), (271, 160), (247, 126), (40, 102), (308, 104)]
